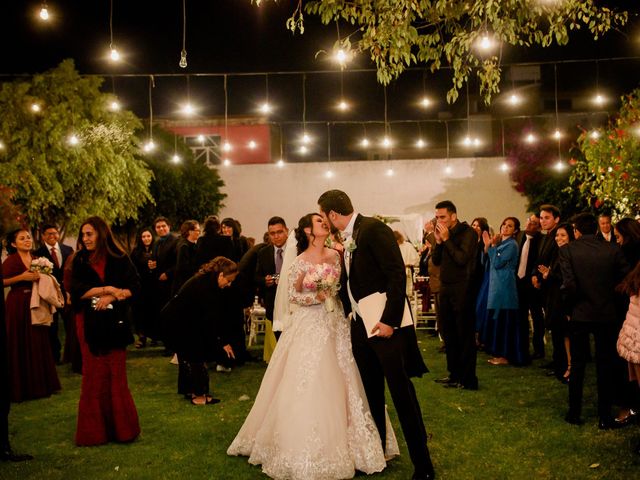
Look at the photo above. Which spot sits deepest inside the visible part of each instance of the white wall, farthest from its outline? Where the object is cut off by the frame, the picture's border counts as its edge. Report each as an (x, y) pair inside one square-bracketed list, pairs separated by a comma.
[(476, 186)]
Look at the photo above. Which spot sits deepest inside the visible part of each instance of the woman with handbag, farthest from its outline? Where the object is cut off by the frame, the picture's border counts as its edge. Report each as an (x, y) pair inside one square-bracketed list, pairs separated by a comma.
[(103, 279)]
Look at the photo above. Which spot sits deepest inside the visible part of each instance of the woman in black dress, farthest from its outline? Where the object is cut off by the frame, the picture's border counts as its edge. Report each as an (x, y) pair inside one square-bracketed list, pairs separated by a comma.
[(186, 263), (198, 328), (145, 306)]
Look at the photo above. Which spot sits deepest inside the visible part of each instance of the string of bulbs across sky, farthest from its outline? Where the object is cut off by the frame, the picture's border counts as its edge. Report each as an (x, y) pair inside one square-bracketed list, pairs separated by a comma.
[(485, 43)]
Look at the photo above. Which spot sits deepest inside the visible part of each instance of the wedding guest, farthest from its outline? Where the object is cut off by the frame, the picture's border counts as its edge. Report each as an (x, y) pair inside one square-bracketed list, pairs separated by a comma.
[(230, 228), (186, 264), (267, 273), (197, 326), (629, 337), (6, 453), (57, 253), (502, 304), (145, 305), (211, 244), (552, 278), (455, 252), (32, 370), (103, 281), (591, 269), (605, 229), (480, 283), (164, 253), (409, 257), (627, 233)]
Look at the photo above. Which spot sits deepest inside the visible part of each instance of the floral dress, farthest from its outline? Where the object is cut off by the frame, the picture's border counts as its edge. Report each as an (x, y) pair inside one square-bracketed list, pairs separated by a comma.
[(311, 419)]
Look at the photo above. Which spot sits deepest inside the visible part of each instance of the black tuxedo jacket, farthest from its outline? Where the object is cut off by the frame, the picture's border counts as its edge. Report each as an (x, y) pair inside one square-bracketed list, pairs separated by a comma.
[(266, 265), (591, 269), (45, 251), (166, 254), (599, 236), (376, 266)]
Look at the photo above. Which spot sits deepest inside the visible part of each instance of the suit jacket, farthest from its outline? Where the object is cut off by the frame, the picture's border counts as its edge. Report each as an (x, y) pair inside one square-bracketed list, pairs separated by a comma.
[(599, 236), (457, 256), (45, 251), (376, 266), (266, 265), (212, 246), (166, 254), (591, 269)]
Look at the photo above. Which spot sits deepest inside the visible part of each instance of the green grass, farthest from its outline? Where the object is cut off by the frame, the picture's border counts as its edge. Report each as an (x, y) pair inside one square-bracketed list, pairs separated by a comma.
[(512, 428)]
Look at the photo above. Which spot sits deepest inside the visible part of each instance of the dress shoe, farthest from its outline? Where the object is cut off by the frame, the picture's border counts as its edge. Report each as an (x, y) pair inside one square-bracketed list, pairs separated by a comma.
[(11, 456), (444, 380), (573, 419), (608, 424)]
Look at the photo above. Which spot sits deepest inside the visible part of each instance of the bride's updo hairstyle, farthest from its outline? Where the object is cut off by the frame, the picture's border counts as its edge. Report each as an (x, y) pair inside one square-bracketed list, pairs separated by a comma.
[(301, 236)]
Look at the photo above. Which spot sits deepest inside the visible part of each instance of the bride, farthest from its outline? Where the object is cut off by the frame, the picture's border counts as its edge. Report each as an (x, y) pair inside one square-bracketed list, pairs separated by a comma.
[(311, 419)]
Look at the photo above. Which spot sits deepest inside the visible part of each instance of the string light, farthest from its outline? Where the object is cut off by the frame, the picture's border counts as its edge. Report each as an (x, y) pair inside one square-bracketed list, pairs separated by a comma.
[(183, 53), (364, 143), (559, 166), (329, 174), (514, 99), (176, 158), (73, 140), (252, 145), (425, 102), (386, 142), (303, 150), (149, 146), (530, 138), (1, 145), (306, 139), (390, 172), (341, 57), (265, 108), (343, 106), (504, 167), (200, 138), (114, 54), (557, 134), (114, 106), (594, 135), (226, 146), (187, 109), (485, 42), (44, 12), (36, 108), (599, 100), (280, 163), (226, 162), (421, 143), (448, 170)]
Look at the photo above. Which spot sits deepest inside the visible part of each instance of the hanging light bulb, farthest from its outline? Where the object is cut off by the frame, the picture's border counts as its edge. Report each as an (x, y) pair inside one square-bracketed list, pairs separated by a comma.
[(149, 146), (200, 138), (252, 144), (448, 170), (530, 138), (599, 99), (183, 59), (514, 99), (328, 174), (421, 143), (467, 141), (280, 163), (305, 138), (559, 166), (557, 134), (226, 162), (594, 134), (35, 107), (386, 141), (425, 102), (1, 145), (73, 140), (226, 146), (390, 172), (188, 109), (341, 57), (303, 150), (343, 106), (114, 54), (364, 142), (176, 158), (476, 142), (265, 108), (486, 43), (44, 13), (114, 106), (504, 167)]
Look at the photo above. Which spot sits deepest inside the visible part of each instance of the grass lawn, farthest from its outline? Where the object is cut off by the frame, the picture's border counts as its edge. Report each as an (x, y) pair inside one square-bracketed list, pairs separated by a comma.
[(512, 428)]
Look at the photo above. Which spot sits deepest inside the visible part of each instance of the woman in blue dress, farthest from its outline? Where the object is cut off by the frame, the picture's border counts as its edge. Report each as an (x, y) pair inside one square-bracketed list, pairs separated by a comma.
[(502, 303)]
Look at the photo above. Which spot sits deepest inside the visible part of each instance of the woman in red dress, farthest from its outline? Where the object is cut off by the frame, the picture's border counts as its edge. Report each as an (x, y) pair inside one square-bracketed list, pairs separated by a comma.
[(103, 279), (32, 371)]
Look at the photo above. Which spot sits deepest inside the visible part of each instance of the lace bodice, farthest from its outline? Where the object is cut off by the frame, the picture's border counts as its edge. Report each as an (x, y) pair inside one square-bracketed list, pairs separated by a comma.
[(306, 278)]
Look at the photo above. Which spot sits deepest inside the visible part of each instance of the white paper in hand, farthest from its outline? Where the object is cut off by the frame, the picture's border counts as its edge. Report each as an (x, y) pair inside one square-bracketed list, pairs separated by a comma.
[(371, 308)]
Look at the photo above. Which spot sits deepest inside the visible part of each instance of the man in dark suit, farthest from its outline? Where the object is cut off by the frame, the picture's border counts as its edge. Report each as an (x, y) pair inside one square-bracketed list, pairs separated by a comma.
[(548, 252), (455, 253), (605, 231), (57, 253), (373, 263), (529, 297), (591, 269), (267, 272), (164, 265), (6, 454)]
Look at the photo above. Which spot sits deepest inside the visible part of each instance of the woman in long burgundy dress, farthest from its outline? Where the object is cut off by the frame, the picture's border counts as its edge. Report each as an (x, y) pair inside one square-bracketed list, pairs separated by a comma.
[(32, 372), (103, 279)]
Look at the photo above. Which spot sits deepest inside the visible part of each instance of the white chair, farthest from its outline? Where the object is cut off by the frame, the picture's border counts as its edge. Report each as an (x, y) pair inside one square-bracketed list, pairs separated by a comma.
[(257, 324)]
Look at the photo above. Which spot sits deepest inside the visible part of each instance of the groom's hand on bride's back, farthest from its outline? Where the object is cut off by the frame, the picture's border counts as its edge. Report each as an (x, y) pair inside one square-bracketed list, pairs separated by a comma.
[(383, 330)]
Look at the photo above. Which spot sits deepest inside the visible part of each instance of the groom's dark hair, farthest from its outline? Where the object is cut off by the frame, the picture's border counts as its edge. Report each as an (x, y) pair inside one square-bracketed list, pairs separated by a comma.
[(448, 204), (335, 200)]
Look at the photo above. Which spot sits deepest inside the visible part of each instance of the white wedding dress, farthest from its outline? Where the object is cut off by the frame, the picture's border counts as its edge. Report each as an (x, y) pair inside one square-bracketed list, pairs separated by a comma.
[(311, 419)]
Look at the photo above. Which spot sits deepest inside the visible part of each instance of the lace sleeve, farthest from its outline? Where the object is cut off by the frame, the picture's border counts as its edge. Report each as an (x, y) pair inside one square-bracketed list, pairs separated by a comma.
[(296, 291)]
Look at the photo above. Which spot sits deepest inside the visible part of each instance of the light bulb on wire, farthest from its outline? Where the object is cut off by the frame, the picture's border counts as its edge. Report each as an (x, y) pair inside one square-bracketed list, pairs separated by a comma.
[(557, 134), (188, 109), (149, 146), (530, 138), (252, 144), (485, 43), (176, 158), (226, 162), (305, 138), (425, 102), (514, 99), (73, 140), (343, 106), (1, 145), (386, 142), (114, 106), (114, 55), (599, 99), (36, 108), (265, 108), (44, 13), (421, 143), (390, 172), (559, 166), (200, 138), (303, 150), (328, 174), (448, 170), (364, 143), (183, 59), (280, 163), (226, 146), (504, 167), (594, 134)]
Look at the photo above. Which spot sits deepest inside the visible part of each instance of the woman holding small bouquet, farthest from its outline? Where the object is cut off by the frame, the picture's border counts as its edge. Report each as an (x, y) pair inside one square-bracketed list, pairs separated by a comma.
[(32, 371), (311, 419)]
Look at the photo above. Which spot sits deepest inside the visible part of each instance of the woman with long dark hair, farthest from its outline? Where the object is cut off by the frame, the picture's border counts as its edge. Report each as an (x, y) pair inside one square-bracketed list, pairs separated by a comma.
[(229, 228), (103, 280), (145, 304), (197, 327), (186, 263), (32, 370)]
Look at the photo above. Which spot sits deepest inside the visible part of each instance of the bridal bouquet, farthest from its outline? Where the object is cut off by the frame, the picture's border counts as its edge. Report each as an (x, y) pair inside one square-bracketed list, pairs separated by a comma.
[(41, 265), (324, 278)]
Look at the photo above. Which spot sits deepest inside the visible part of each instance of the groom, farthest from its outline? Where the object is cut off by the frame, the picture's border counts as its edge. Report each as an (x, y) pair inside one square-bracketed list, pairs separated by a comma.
[(373, 263)]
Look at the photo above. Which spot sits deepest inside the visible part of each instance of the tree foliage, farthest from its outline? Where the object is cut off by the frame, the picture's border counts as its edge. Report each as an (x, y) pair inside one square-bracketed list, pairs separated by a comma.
[(399, 33), (532, 173), (54, 181), (607, 168), (182, 191)]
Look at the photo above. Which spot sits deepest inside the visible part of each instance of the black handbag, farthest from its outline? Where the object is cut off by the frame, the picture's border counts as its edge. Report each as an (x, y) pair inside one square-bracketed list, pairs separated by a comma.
[(105, 330)]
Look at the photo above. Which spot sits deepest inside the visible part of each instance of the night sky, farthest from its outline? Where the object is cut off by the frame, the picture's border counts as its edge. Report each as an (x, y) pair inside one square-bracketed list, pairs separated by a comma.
[(231, 36)]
